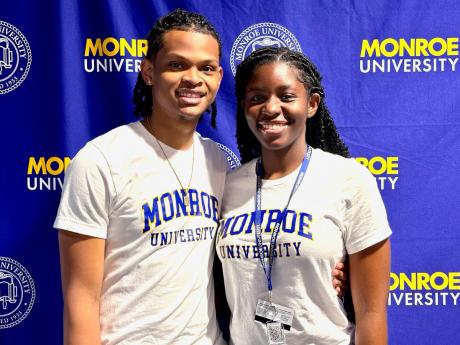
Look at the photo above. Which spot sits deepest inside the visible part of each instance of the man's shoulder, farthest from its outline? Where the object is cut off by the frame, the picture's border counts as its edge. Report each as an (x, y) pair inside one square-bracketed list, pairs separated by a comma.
[(218, 152), (119, 136)]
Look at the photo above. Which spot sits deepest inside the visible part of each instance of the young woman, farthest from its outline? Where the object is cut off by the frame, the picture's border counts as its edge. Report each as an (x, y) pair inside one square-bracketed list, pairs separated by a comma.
[(295, 208), (140, 205)]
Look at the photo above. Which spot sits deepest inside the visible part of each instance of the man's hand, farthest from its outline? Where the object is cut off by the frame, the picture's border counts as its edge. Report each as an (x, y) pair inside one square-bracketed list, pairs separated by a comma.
[(340, 278)]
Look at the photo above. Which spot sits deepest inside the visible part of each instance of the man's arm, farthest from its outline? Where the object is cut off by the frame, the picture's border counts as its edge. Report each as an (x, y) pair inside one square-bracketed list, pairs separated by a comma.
[(82, 268)]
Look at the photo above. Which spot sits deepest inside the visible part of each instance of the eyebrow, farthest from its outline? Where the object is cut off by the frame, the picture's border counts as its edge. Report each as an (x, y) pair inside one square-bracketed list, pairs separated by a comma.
[(284, 87), (258, 88)]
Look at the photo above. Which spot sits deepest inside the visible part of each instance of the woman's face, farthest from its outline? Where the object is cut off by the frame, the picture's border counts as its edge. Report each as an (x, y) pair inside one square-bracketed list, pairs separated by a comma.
[(277, 106)]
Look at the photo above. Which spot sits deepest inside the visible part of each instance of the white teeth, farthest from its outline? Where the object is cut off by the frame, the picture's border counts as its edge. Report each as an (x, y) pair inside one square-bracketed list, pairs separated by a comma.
[(268, 125), (189, 94)]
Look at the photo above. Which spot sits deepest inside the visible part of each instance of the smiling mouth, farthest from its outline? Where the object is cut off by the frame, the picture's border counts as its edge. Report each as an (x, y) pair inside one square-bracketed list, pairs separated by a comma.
[(190, 94), (189, 97), (272, 126)]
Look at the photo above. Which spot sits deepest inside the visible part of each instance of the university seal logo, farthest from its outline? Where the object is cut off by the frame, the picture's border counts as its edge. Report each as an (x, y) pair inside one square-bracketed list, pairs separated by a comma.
[(232, 158), (258, 36), (17, 292), (15, 57)]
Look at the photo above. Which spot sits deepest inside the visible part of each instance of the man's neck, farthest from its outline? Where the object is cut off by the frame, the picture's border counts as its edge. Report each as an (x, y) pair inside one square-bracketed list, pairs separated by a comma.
[(174, 133)]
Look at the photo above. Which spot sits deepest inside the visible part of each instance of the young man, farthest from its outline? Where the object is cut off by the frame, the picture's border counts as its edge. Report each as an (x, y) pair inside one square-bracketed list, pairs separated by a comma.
[(140, 205)]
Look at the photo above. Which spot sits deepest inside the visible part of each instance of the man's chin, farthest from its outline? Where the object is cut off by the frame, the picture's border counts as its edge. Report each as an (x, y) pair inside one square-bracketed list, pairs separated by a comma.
[(188, 116), (191, 114)]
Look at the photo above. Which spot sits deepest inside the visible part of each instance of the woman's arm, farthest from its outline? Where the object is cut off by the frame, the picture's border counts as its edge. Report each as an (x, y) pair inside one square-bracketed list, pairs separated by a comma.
[(82, 268), (369, 280)]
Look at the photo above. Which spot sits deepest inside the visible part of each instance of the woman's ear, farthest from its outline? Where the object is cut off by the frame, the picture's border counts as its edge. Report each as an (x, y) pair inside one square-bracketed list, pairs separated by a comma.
[(147, 71), (313, 104)]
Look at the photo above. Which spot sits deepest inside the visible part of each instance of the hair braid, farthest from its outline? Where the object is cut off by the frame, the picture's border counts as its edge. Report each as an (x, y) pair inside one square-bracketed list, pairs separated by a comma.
[(142, 98), (213, 114)]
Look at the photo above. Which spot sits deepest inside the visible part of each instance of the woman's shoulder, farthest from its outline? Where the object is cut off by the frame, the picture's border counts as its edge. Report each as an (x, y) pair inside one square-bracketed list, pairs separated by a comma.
[(342, 170), (244, 171), (241, 178), (334, 163)]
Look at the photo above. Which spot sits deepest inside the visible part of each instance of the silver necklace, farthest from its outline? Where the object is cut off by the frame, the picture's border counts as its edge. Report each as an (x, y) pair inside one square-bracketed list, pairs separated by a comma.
[(186, 196)]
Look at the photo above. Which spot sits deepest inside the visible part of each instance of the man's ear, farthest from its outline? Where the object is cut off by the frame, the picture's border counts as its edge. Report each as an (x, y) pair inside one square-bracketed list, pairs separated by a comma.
[(313, 104), (147, 71), (221, 73)]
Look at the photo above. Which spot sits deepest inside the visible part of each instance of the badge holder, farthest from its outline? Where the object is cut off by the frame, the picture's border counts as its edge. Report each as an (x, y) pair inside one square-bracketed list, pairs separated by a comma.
[(277, 319), (275, 333), (272, 312)]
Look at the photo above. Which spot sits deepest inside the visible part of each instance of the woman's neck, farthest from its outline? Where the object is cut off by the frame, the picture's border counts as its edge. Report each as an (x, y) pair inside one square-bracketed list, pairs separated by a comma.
[(279, 163)]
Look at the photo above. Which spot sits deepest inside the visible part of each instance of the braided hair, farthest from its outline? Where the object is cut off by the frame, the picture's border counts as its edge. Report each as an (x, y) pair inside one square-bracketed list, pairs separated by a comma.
[(178, 19), (321, 131)]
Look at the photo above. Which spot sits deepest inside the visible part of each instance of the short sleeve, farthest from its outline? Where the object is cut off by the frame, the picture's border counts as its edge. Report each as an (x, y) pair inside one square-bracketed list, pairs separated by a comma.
[(365, 217), (87, 194)]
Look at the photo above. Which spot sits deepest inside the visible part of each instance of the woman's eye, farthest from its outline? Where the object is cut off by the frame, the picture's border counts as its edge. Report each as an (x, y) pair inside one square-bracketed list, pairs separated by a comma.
[(256, 99), (287, 97)]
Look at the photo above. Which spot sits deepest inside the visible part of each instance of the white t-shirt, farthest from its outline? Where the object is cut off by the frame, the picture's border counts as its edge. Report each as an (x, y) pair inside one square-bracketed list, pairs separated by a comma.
[(336, 210), (157, 286)]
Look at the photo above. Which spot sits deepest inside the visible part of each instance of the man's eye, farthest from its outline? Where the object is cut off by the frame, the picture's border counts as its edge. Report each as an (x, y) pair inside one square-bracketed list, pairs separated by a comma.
[(176, 65), (208, 69)]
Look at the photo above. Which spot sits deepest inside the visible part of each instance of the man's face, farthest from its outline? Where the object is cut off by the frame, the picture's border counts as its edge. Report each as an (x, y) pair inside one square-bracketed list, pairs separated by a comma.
[(185, 75)]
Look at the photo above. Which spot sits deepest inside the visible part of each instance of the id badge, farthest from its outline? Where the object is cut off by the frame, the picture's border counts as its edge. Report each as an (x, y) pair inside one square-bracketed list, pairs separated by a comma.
[(275, 334), (272, 312)]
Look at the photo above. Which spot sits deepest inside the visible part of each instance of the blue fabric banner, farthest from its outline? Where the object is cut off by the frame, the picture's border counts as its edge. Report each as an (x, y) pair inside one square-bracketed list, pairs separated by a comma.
[(391, 74)]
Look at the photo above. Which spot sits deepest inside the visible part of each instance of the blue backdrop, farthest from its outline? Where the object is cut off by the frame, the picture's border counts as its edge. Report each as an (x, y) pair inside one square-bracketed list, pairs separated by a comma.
[(390, 68)]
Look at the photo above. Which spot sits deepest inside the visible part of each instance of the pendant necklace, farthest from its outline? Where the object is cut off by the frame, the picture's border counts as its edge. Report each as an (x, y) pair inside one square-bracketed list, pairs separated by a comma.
[(186, 196)]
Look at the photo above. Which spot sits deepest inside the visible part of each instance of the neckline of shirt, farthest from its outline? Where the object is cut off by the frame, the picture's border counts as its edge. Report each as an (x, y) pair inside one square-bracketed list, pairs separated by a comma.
[(285, 180), (170, 151)]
